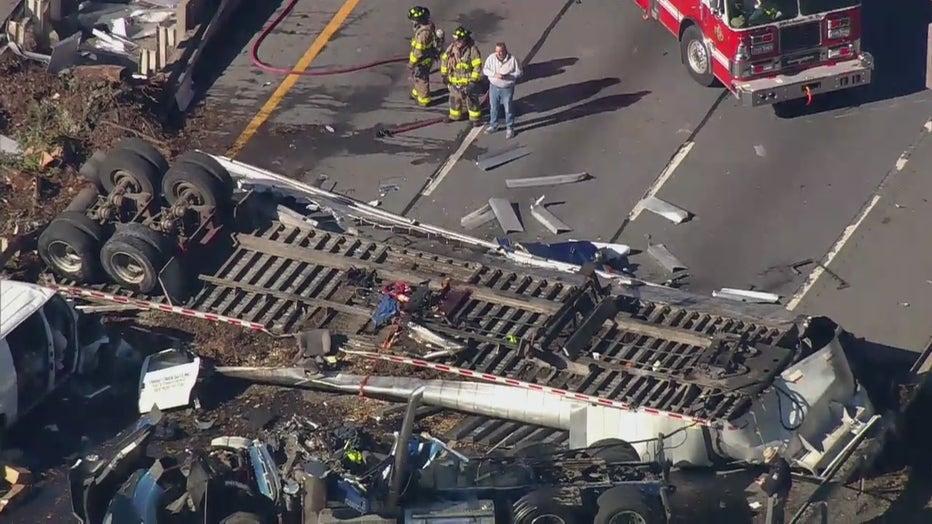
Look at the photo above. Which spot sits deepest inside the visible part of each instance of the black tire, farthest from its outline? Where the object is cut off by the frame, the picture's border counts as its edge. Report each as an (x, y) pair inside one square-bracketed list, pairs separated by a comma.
[(146, 151), (210, 164), (133, 259), (70, 246), (692, 41), (614, 450), (90, 169), (542, 503), (621, 501), (201, 187), (142, 175), (243, 517)]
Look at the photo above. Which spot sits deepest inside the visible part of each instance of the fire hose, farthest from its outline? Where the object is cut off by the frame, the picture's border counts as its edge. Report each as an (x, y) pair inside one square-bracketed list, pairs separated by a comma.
[(268, 68)]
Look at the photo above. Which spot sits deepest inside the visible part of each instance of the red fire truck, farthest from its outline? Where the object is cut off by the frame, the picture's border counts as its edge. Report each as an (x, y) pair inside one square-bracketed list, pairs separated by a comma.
[(768, 51)]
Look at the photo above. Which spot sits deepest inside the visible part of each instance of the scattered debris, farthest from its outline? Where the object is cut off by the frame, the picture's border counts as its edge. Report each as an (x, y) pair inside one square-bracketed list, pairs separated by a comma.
[(744, 295), (478, 217), (761, 152), (8, 146), (494, 159), (665, 258), (540, 181), (385, 189), (19, 480), (665, 209), (168, 380), (548, 219), (581, 252), (505, 214)]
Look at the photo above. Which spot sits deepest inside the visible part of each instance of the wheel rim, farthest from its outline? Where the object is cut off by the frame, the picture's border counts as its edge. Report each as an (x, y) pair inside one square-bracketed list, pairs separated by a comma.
[(65, 257), (191, 193), (128, 268), (132, 182), (627, 517), (548, 518), (698, 56)]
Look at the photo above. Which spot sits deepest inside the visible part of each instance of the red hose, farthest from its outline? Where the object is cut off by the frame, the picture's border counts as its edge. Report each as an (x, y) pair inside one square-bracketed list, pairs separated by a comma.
[(268, 68)]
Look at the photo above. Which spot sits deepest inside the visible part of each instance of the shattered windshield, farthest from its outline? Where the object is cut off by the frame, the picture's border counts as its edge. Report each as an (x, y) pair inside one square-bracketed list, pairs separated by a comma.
[(751, 13), (811, 7)]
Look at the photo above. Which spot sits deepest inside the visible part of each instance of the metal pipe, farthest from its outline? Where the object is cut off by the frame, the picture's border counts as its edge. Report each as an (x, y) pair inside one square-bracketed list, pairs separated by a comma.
[(401, 447), (491, 400)]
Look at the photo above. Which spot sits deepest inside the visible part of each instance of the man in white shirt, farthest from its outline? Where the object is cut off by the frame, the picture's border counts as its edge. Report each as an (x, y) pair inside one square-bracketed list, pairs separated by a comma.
[(502, 70)]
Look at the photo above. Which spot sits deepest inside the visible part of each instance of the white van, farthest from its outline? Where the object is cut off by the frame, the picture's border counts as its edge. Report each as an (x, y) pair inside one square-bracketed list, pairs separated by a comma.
[(41, 346)]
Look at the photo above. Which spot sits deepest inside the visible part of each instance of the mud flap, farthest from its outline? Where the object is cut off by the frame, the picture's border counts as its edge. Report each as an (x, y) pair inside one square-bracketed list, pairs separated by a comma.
[(173, 282)]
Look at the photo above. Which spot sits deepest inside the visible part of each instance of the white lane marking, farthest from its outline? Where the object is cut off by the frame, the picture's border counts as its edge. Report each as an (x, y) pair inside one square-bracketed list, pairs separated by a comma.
[(451, 161), (664, 176), (820, 269), (901, 162)]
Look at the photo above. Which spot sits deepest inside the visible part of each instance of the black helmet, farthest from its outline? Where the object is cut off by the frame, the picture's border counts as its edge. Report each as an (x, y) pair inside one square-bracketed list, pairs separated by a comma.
[(418, 14), (461, 33)]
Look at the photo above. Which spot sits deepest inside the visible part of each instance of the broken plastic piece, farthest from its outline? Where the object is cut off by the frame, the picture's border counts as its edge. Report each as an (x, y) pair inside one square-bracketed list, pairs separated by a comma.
[(540, 181), (744, 295), (665, 209), (168, 378), (665, 258), (505, 214), (478, 217), (494, 159), (548, 219)]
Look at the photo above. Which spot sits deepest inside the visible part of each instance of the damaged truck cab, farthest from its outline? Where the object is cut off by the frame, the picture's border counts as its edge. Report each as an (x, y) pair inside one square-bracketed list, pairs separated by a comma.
[(42, 344)]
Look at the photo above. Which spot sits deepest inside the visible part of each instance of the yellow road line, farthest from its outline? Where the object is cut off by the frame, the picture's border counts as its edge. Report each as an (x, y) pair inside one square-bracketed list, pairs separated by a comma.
[(290, 80)]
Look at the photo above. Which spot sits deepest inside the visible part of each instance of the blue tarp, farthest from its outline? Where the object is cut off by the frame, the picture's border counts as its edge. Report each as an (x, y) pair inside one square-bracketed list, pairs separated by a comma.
[(385, 311)]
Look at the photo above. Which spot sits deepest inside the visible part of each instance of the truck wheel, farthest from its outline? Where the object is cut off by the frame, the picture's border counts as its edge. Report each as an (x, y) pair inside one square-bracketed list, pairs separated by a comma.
[(540, 507), (614, 450), (146, 151), (196, 184), (696, 56), (128, 167), (210, 164), (133, 259), (628, 504), (70, 246)]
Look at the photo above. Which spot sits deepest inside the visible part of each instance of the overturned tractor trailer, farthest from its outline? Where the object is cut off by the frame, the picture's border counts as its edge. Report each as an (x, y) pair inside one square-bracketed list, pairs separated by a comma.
[(626, 359)]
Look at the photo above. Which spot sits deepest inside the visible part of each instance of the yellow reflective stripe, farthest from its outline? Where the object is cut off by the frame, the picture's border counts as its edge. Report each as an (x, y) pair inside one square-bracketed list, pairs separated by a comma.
[(463, 66), (459, 81), (419, 46), (476, 62), (456, 113), (475, 115), (475, 76), (413, 58)]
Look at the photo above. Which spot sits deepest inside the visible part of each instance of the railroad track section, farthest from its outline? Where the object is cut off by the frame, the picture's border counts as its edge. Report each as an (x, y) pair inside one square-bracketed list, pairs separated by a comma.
[(681, 361)]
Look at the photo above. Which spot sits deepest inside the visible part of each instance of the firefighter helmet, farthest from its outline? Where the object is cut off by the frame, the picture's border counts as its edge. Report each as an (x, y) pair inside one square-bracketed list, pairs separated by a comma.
[(419, 14), (461, 33)]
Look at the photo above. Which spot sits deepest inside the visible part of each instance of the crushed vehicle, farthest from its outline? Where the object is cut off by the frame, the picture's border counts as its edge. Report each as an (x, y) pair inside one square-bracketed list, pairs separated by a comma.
[(45, 343), (768, 51), (730, 379), (344, 475)]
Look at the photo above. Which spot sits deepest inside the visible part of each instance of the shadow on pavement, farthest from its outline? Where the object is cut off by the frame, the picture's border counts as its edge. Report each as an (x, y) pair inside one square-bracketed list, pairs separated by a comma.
[(604, 104), (896, 35), (564, 95), (248, 21), (554, 67)]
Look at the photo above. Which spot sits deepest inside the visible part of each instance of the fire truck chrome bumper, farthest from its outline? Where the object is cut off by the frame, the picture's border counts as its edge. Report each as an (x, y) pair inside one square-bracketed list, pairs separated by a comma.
[(819, 80)]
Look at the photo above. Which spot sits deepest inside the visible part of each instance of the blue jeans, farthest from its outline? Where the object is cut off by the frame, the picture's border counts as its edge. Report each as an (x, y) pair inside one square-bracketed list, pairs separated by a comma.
[(503, 96)]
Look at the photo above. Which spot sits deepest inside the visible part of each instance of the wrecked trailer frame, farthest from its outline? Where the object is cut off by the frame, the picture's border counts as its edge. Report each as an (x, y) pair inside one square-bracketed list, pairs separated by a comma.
[(736, 378)]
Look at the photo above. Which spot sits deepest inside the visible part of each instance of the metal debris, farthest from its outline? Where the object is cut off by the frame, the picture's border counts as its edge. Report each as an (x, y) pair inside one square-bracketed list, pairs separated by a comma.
[(478, 217), (548, 219), (759, 149), (427, 337), (540, 181), (494, 159), (665, 258), (505, 214), (744, 295), (665, 209)]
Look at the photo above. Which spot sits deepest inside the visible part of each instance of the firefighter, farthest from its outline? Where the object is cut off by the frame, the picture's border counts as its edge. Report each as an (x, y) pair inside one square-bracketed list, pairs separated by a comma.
[(461, 68), (425, 47)]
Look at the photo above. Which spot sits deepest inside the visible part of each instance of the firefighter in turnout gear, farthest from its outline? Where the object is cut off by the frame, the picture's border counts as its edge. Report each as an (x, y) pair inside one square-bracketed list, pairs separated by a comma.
[(425, 48), (461, 69)]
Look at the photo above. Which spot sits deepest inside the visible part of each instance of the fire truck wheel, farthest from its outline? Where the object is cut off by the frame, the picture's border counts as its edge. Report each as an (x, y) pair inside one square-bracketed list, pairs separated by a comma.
[(132, 171), (696, 56), (70, 246), (145, 150), (194, 183), (614, 450), (210, 164), (541, 506), (628, 504), (133, 260)]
